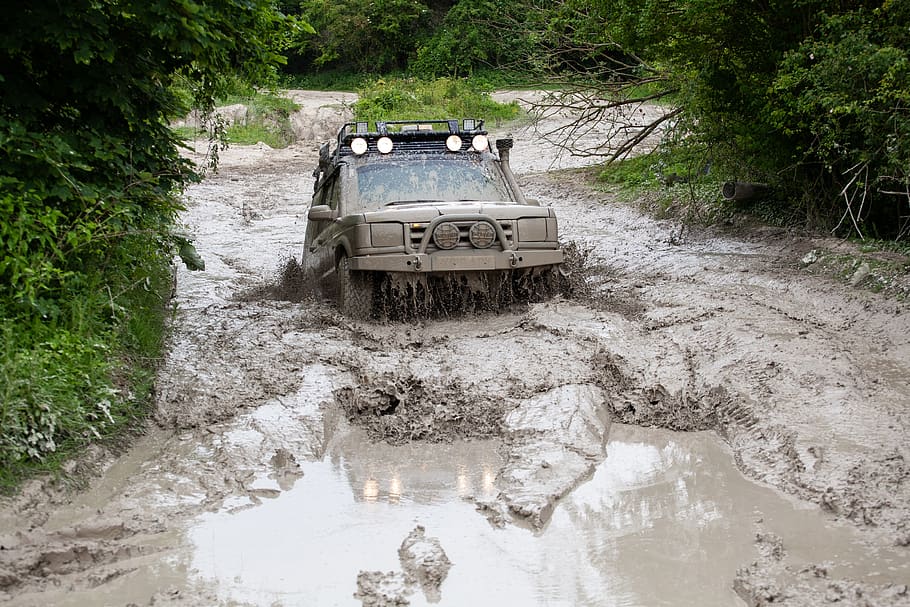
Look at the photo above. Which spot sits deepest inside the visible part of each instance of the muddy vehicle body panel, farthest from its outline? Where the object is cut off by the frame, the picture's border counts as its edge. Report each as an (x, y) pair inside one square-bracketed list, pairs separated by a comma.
[(417, 199)]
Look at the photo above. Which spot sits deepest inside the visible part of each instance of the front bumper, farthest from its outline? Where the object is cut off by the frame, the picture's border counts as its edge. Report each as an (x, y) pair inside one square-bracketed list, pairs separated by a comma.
[(457, 261)]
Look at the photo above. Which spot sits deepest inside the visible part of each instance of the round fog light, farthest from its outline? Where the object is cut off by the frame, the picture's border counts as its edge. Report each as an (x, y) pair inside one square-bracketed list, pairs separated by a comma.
[(480, 143), (482, 234), (453, 143), (446, 235), (359, 146), (384, 145)]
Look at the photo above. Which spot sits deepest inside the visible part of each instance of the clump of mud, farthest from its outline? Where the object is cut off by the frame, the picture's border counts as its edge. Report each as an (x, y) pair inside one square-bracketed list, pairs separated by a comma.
[(770, 581), (290, 283), (399, 407), (692, 409), (423, 562), (382, 589)]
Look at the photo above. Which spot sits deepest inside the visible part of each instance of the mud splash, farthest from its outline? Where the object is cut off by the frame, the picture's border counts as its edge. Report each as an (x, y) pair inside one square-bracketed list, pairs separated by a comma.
[(406, 297), (290, 283)]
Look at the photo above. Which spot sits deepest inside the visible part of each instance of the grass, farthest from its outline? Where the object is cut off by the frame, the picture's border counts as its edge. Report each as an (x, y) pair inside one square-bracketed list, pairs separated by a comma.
[(251, 134), (684, 182), (406, 99), (267, 120), (666, 186), (86, 374)]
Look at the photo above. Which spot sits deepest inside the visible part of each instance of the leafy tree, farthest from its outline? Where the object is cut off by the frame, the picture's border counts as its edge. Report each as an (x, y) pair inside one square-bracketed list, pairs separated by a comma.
[(842, 100), (364, 35), (89, 177), (475, 34), (87, 156), (808, 95)]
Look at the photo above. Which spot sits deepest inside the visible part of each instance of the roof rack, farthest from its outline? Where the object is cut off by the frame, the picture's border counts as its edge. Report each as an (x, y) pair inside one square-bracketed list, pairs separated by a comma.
[(408, 135)]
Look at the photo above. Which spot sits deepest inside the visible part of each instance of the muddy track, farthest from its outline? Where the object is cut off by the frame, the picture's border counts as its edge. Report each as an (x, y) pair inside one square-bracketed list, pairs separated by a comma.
[(268, 397)]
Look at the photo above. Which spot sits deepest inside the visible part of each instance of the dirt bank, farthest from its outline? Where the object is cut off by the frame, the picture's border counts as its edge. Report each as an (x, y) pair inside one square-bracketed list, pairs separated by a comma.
[(274, 410)]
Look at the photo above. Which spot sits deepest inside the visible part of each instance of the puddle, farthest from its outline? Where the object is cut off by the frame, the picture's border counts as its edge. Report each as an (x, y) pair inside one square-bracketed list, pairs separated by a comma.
[(666, 519)]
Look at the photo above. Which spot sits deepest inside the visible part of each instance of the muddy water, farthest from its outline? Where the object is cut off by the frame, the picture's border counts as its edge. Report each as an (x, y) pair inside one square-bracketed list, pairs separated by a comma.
[(665, 520)]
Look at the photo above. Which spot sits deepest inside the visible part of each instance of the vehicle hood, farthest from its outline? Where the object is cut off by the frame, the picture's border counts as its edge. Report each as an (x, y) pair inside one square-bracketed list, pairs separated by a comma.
[(425, 212)]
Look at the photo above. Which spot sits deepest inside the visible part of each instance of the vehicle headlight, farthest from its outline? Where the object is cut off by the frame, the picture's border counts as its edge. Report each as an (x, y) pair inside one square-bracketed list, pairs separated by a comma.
[(482, 235), (532, 229), (453, 143), (446, 235), (359, 146), (480, 143), (384, 145), (386, 234)]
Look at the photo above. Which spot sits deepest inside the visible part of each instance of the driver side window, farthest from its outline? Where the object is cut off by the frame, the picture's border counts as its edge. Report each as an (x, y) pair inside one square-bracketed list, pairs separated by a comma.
[(332, 192), (328, 192)]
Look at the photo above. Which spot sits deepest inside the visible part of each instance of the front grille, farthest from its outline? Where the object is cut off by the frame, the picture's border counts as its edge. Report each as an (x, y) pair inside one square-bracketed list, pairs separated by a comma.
[(418, 230)]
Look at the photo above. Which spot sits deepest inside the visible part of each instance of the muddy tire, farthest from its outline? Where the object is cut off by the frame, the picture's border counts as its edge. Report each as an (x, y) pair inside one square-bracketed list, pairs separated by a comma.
[(355, 290)]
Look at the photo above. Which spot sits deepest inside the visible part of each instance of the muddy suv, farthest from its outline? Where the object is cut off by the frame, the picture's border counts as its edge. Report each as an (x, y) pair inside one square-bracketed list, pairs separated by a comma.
[(424, 215)]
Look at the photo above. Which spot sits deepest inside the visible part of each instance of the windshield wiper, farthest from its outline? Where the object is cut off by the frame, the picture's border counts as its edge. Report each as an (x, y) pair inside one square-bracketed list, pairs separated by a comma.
[(416, 201)]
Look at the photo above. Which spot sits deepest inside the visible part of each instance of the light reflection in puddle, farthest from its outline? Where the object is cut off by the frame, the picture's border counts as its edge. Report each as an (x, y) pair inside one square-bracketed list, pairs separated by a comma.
[(666, 520)]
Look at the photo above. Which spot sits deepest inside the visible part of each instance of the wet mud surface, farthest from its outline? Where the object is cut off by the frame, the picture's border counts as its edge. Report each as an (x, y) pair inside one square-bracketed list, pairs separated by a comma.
[(694, 421)]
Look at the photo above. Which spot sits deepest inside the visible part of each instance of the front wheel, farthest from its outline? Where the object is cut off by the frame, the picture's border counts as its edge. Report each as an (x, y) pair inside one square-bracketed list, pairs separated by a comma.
[(355, 290)]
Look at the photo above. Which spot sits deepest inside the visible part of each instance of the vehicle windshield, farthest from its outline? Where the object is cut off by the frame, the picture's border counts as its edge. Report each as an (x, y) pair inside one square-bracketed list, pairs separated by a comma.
[(428, 180)]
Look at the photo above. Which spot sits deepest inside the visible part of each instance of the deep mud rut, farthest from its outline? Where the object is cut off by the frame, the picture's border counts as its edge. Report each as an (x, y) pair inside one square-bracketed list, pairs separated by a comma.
[(704, 424)]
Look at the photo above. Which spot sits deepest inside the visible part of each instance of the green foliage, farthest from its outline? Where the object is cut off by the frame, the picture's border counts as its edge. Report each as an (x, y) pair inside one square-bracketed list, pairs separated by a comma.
[(369, 36), (267, 120), (89, 173), (842, 98), (80, 375), (251, 134), (632, 172), (406, 99), (474, 35), (811, 96), (326, 80), (36, 377)]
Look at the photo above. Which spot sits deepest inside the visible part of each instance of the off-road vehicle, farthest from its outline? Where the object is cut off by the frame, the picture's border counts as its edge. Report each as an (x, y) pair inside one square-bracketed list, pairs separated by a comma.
[(424, 215)]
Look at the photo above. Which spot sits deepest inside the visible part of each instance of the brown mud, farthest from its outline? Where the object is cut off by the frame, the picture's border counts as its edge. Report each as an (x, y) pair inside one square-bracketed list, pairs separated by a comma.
[(694, 421)]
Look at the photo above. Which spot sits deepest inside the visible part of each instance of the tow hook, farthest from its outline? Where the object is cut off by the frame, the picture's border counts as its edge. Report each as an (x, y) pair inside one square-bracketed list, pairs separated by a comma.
[(513, 260), (417, 263)]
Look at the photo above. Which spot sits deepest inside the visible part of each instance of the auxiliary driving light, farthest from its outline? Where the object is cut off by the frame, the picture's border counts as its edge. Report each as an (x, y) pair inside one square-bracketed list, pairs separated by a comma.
[(480, 143), (359, 146), (453, 143), (481, 235), (384, 145), (446, 235)]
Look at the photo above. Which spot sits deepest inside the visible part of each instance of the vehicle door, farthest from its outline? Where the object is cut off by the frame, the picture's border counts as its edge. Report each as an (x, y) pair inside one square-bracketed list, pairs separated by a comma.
[(320, 234)]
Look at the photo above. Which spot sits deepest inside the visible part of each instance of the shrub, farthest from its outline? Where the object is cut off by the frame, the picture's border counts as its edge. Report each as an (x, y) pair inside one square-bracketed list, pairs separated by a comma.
[(405, 99)]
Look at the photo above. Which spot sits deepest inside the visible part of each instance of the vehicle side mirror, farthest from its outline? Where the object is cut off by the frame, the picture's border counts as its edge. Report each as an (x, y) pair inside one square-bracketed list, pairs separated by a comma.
[(533, 202), (321, 212)]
